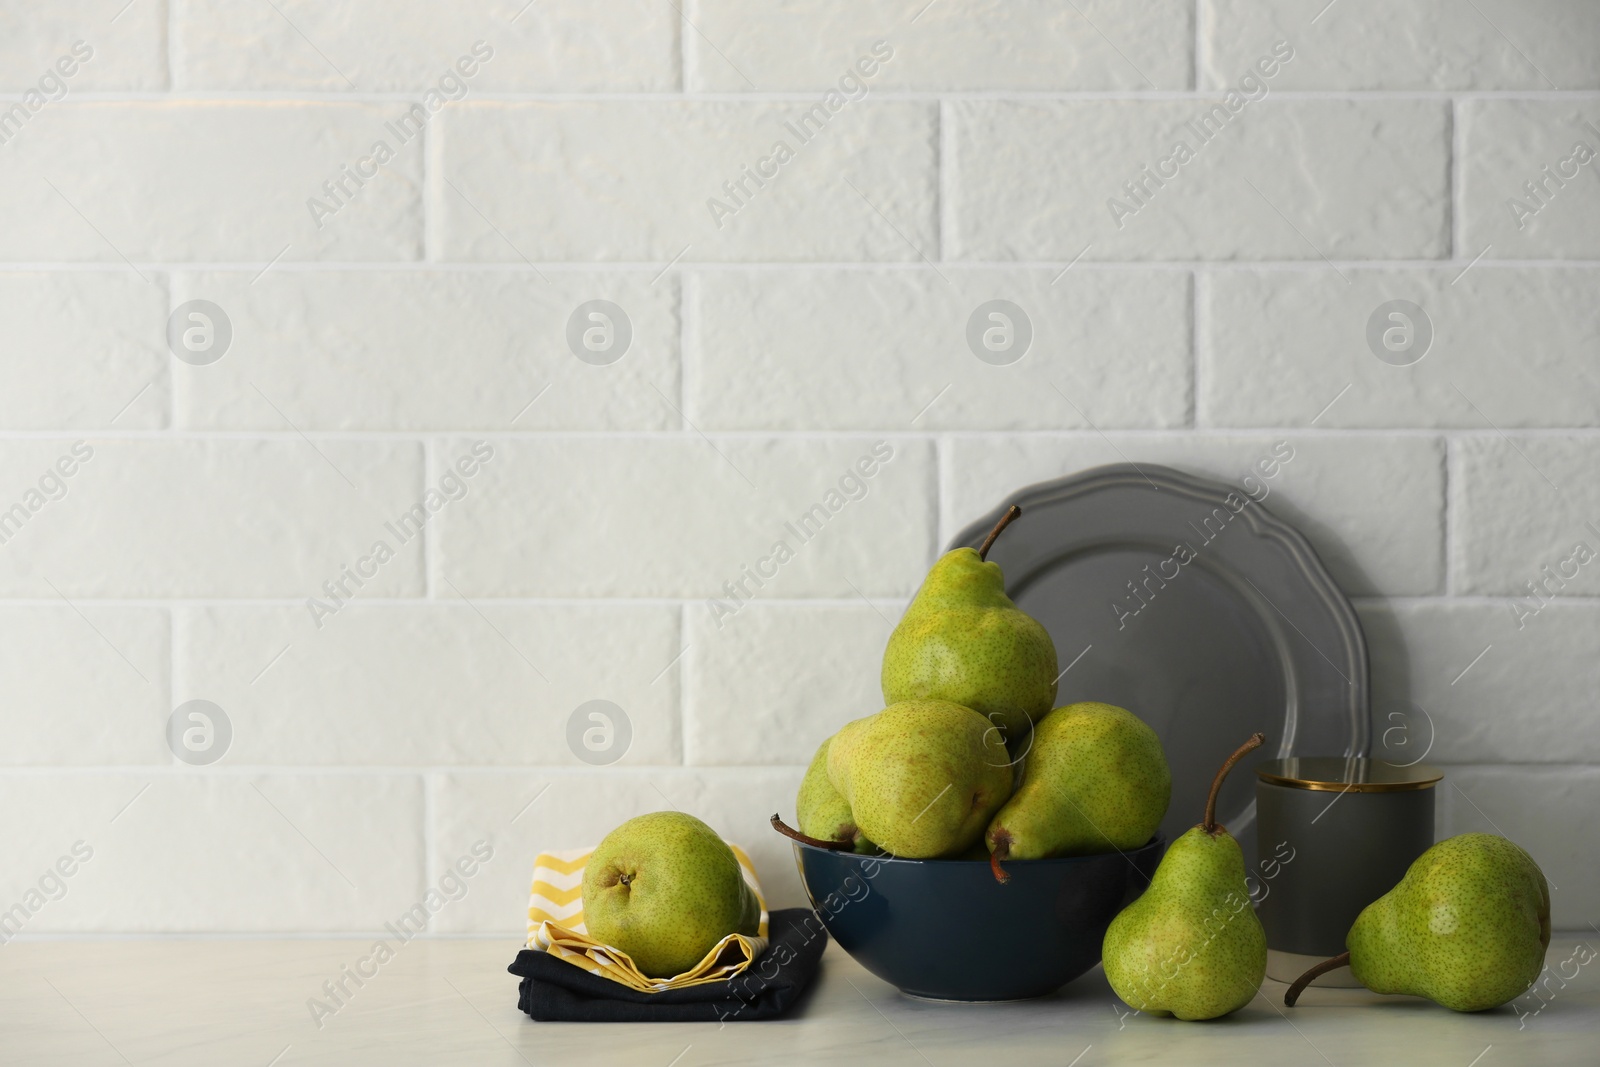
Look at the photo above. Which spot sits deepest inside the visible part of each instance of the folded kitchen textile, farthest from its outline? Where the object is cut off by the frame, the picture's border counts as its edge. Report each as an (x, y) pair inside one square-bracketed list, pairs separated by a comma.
[(566, 974), (556, 926), (553, 990)]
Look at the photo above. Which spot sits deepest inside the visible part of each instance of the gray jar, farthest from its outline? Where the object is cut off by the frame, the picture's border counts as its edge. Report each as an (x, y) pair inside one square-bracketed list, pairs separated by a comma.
[(1333, 834)]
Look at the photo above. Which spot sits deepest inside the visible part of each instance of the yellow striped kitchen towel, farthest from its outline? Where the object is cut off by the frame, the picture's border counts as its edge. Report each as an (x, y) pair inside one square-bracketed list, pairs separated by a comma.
[(555, 925)]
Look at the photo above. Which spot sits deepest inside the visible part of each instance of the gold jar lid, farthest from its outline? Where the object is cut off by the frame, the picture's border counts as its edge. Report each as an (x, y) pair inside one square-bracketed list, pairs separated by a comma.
[(1348, 774)]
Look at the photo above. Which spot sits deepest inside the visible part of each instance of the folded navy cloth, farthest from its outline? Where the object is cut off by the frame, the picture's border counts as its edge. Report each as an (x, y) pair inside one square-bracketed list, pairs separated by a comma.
[(553, 990)]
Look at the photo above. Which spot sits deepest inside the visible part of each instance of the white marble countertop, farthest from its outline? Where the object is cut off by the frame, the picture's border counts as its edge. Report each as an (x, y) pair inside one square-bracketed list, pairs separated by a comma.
[(451, 1002)]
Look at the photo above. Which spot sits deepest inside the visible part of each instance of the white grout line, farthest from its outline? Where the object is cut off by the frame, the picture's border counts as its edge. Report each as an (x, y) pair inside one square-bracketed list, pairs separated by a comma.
[(174, 663), (429, 202), (653, 268), (686, 41), (1199, 323), (1450, 518), (1457, 164), (430, 870), (350, 770), (1461, 600), (167, 44), (674, 96), (944, 159), (1171, 433), (266, 935), (688, 324), (685, 679), (1576, 933), (445, 602), (430, 550), (170, 370), (622, 602), (643, 772)]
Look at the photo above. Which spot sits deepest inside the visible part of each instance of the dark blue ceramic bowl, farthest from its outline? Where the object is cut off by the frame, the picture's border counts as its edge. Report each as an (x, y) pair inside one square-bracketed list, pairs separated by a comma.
[(947, 930)]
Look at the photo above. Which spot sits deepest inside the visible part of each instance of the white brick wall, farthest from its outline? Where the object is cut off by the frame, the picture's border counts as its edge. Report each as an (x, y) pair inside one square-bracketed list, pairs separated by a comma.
[(776, 339)]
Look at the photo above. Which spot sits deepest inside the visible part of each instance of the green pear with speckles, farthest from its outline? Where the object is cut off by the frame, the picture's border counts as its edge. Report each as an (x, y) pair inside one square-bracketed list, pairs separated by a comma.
[(1467, 927), (1094, 780), (922, 777), (963, 640), (822, 812), (664, 888), (1191, 946)]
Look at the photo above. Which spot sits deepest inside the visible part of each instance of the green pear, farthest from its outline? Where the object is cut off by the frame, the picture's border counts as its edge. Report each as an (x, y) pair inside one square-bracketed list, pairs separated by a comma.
[(923, 777), (664, 888), (1191, 946), (1094, 780), (1467, 927), (963, 640), (822, 813)]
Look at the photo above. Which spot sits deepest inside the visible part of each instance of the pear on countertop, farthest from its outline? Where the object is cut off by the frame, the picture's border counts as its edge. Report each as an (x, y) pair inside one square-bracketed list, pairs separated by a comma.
[(962, 640), (664, 888), (1467, 927), (1191, 946)]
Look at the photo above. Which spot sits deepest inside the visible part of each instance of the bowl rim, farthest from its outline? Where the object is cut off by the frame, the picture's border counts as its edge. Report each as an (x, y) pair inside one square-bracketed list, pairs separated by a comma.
[(1156, 841)]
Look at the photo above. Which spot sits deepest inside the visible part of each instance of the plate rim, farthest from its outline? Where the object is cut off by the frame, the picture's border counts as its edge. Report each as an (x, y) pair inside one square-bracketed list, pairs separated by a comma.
[(1261, 521)]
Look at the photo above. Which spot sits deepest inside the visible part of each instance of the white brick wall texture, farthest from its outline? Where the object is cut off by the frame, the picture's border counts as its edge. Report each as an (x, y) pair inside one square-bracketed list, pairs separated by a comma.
[(545, 323)]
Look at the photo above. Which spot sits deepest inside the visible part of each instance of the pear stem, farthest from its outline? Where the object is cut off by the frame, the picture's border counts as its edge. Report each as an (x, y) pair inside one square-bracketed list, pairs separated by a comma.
[(1002, 849), (1005, 520), (1210, 824), (795, 835), (1341, 960)]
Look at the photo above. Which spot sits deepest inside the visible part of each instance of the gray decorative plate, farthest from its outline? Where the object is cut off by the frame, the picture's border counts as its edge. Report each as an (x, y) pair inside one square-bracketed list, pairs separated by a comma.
[(1193, 606)]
